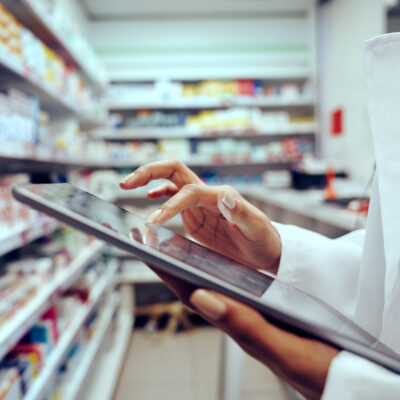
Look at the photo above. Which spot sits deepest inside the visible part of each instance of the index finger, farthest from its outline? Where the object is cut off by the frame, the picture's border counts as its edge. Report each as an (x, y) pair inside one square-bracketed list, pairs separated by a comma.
[(173, 170)]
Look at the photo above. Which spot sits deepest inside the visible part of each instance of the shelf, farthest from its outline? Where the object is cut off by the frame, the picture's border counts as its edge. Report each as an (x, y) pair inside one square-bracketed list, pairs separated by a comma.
[(51, 99), (139, 134), (15, 164), (32, 230), (212, 104), (106, 371), (74, 387), (59, 353), (309, 204), (33, 16), (12, 331)]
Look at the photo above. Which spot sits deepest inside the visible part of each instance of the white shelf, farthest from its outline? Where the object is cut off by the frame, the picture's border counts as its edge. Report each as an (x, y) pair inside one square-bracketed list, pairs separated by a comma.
[(32, 15), (12, 331), (133, 134), (58, 355), (309, 204), (49, 96), (74, 387), (32, 230), (104, 376), (211, 104)]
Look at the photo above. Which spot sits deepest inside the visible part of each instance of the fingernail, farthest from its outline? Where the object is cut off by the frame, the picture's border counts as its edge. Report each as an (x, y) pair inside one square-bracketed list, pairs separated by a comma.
[(153, 217), (229, 201), (125, 180), (207, 304)]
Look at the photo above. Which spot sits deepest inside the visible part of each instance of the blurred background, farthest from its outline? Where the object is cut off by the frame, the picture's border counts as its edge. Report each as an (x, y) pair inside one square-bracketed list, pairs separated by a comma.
[(265, 95)]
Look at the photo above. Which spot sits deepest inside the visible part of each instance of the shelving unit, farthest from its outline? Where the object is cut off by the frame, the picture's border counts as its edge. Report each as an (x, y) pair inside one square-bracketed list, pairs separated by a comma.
[(74, 107), (32, 230), (57, 357), (12, 331)]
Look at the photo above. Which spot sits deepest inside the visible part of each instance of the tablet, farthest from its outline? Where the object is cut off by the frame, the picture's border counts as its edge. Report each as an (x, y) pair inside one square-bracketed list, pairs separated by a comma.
[(283, 305)]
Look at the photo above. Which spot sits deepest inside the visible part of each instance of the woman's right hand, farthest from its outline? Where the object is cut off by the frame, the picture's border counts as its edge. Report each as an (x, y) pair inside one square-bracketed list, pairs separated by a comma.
[(216, 216)]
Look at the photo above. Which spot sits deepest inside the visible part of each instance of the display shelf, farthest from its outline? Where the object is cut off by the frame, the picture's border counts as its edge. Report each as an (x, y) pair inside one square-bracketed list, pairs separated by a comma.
[(30, 231), (309, 204), (12, 331), (106, 371), (32, 14), (58, 355), (211, 104), (51, 99), (13, 164), (74, 387), (139, 134)]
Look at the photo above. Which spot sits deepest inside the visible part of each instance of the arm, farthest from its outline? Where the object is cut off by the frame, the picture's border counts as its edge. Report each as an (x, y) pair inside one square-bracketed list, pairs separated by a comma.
[(321, 266)]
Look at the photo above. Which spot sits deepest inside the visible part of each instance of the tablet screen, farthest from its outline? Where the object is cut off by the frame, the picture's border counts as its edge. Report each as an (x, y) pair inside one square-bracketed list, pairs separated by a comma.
[(156, 237), (269, 291)]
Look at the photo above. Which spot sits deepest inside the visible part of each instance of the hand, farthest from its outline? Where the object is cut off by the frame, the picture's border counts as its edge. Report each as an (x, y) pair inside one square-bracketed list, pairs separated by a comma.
[(221, 219), (303, 363), (218, 217)]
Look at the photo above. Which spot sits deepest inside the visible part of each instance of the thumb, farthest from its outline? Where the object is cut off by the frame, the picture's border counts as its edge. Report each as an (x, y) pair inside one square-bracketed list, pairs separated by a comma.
[(244, 324), (249, 219)]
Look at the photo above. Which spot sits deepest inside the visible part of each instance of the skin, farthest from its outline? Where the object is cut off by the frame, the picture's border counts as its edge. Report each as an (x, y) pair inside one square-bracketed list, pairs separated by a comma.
[(221, 219)]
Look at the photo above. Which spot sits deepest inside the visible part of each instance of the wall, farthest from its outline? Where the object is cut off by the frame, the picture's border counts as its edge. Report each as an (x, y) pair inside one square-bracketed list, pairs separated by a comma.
[(200, 46), (343, 27)]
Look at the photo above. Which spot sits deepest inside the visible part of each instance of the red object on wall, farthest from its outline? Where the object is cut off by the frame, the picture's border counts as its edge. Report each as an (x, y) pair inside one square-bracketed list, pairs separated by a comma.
[(337, 122)]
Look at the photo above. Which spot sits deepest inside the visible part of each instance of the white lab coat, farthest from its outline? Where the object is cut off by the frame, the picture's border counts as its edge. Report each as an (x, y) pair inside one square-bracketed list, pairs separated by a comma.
[(358, 274)]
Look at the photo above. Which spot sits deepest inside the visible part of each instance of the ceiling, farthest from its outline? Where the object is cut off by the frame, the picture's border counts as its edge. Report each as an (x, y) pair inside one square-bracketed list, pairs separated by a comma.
[(106, 10)]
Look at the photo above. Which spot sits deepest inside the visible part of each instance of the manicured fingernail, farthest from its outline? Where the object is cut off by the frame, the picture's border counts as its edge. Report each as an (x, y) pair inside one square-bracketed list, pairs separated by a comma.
[(125, 180), (229, 201), (207, 304), (153, 217), (153, 191)]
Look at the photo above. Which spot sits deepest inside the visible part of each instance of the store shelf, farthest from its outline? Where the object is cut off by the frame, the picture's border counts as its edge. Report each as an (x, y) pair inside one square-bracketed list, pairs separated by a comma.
[(32, 14), (51, 99), (212, 104), (32, 230), (12, 331), (106, 371), (13, 164), (58, 355), (74, 387), (309, 204), (142, 134)]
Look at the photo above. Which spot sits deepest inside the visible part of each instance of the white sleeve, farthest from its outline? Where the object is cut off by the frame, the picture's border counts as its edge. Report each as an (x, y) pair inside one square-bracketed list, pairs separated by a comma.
[(321, 266), (353, 378)]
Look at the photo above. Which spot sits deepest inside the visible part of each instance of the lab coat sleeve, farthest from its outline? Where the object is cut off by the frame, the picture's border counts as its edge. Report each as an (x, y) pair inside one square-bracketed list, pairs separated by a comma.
[(325, 268), (353, 378)]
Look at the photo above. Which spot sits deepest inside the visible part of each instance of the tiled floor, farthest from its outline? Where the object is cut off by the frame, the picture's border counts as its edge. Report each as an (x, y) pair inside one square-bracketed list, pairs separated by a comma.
[(186, 367)]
